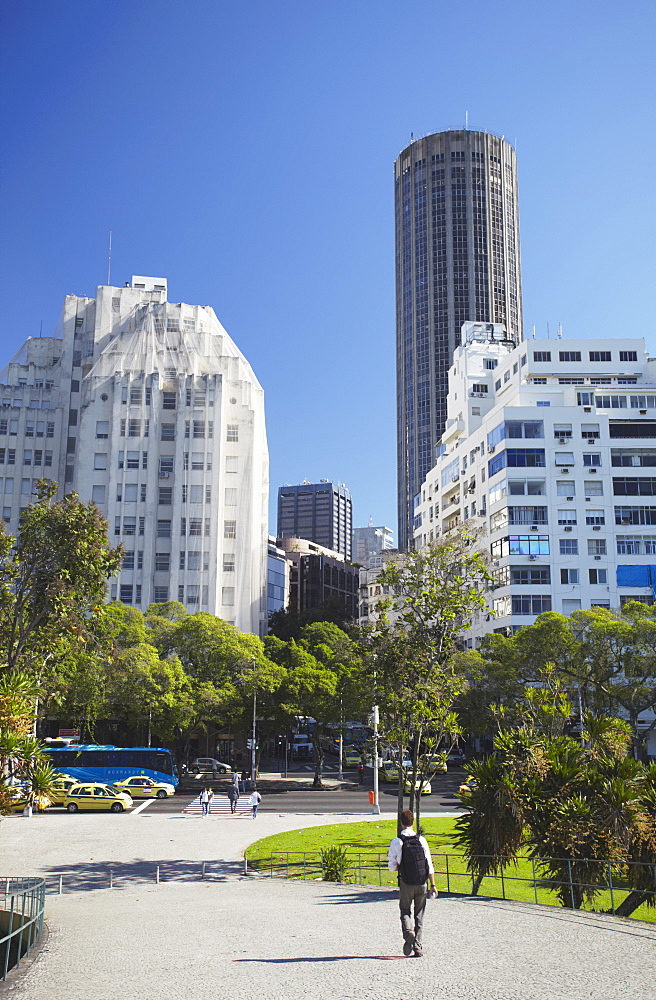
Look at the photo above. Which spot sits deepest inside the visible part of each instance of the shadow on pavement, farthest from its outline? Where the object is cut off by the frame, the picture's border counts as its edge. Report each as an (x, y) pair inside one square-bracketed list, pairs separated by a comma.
[(322, 958), (121, 875)]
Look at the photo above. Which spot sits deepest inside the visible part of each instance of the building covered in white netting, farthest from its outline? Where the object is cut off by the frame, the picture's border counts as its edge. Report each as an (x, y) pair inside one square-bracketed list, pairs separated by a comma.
[(149, 409)]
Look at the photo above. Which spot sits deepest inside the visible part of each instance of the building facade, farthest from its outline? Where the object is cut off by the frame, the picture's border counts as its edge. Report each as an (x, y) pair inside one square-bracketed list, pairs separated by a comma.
[(369, 544), (277, 578), (319, 512), (318, 575), (457, 260), (550, 452), (149, 409)]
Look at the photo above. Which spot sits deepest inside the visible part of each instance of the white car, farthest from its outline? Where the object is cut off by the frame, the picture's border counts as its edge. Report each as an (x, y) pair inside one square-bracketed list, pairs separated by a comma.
[(204, 764)]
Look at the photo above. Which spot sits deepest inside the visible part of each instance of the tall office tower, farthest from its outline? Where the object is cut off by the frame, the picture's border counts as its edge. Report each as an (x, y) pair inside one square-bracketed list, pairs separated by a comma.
[(150, 410), (370, 543), (457, 260), (319, 512)]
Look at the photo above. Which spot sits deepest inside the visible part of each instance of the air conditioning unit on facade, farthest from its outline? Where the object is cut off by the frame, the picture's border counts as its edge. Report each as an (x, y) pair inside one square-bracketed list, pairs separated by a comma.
[(587, 409), (596, 527), (592, 470), (570, 498), (565, 472), (164, 475), (561, 440), (534, 527), (597, 557), (532, 558), (568, 527), (491, 448), (591, 440)]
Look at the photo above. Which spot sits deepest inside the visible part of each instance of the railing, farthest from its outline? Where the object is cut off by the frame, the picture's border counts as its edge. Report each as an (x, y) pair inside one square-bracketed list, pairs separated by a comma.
[(22, 902), (453, 876)]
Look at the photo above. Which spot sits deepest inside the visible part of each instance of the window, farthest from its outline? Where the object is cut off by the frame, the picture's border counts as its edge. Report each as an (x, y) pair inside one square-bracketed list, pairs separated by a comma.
[(569, 355), (100, 461), (543, 402), (199, 428), (478, 387), (596, 546), (134, 428), (232, 432), (129, 525), (522, 576), (598, 576), (227, 596), (520, 545), (27, 456), (130, 492), (599, 355), (564, 458), (229, 529), (571, 605), (530, 604), (571, 381), (197, 460), (634, 486), (611, 402), (161, 594), (568, 546), (526, 487), (230, 497), (231, 463), (542, 355), (168, 432), (195, 525), (539, 381), (632, 457), (565, 488), (490, 363), (592, 459), (163, 529), (228, 562), (193, 560), (563, 431), (595, 517), (166, 464), (497, 384), (98, 494), (566, 516), (196, 494), (628, 355), (517, 458), (593, 488), (527, 515), (168, 400), (165, 495), (569, 576), (9, 484), (128, 560), (125, 593), (635, 515), (162, 560)]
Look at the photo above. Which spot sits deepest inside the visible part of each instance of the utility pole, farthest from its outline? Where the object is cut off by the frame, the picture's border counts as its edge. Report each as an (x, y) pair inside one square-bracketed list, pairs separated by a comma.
[(254, 722), (375, 807)]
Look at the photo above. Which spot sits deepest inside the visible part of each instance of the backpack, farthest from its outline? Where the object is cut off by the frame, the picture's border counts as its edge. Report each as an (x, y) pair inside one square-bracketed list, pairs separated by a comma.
[(413, 868)]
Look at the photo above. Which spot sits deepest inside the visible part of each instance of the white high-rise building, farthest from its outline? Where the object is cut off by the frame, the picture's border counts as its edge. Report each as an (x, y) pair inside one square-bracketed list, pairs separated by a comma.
[(550, 452), (149, 409)]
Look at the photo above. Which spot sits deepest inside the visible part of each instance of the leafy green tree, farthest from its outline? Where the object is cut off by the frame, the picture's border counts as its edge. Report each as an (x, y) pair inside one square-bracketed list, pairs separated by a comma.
[(432, 596), (22, 758), (52, 580)]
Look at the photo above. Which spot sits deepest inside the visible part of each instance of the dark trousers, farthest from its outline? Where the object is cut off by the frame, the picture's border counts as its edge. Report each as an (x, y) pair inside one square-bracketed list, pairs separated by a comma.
[(412, 896)]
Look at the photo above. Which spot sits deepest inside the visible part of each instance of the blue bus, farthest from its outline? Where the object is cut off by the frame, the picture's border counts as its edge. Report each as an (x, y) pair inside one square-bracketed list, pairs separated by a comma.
[(91, 762)]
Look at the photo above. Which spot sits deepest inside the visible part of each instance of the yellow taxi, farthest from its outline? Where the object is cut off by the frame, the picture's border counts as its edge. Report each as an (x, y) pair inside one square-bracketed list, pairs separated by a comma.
[(388, 771), (96, 796), (433, 762), (352, 757), (140, 786), (60, 787), (467, 786), (422, 787)]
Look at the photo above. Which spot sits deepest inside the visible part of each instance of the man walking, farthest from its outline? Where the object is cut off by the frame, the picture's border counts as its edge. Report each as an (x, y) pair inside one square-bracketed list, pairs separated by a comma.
[(410, 856), (204, 801), (233, 795)]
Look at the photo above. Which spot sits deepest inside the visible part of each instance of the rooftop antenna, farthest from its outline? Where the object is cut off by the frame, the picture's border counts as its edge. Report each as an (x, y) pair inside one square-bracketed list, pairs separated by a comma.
[(371, 520), (534, 331), (560, 331), (41, 329), (109, 259), (466, 119), (548, 334)]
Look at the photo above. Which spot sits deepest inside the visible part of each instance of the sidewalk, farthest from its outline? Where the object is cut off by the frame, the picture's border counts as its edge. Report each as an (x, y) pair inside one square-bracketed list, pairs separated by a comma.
[(259, 939)]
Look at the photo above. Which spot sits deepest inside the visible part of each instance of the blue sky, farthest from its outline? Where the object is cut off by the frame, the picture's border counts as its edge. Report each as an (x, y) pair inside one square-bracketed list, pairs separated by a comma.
[(245, 151)]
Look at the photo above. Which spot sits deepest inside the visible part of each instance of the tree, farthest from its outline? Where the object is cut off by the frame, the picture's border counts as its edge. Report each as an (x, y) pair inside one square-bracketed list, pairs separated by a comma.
[(433, 594), (22, 759), (52, 581)]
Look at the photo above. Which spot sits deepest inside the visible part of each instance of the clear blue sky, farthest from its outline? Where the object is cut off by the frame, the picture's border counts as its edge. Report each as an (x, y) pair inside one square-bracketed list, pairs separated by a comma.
[(245, 151)]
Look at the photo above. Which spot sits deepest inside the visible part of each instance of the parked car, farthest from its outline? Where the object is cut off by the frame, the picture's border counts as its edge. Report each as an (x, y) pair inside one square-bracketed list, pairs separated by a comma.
[(61, 786), (97, 796), (203, 764), (140, 786)]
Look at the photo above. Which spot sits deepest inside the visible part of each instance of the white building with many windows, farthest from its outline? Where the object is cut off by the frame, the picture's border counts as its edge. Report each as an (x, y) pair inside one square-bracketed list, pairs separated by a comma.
[(549, 450), (149, 409)]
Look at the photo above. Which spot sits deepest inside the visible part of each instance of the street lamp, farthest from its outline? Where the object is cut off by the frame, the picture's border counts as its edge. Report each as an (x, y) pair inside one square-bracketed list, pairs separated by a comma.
[(375, 808), (254, 719)]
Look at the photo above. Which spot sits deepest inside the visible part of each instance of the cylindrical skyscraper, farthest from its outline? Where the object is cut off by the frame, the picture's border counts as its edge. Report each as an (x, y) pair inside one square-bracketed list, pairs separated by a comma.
[(457, 259)]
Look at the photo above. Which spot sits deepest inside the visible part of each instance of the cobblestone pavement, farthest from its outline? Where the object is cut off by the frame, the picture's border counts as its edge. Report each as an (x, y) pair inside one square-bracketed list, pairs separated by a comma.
[(275, 940)]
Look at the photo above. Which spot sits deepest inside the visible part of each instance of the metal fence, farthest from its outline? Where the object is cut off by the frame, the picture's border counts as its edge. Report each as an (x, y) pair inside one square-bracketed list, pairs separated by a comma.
[(22, 901), (520, 880)]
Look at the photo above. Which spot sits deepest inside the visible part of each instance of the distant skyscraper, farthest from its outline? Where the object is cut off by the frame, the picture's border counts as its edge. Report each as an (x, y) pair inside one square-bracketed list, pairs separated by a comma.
[(369, 543), (319, 512), (457, 259)]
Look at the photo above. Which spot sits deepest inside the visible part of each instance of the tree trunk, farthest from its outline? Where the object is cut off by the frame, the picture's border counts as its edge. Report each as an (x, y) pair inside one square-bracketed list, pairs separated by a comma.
[(632, 902), (318, 764)]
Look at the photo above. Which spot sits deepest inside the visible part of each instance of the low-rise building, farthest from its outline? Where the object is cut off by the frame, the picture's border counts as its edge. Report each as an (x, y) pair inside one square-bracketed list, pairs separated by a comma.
[(318, 575)]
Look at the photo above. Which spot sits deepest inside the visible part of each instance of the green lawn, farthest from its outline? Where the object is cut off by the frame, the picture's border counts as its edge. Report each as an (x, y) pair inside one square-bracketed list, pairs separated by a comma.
[(296, 854)]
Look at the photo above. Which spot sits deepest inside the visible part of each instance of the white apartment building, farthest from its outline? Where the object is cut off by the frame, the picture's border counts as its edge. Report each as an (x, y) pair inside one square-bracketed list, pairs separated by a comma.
[(149, 409), (549, 450)]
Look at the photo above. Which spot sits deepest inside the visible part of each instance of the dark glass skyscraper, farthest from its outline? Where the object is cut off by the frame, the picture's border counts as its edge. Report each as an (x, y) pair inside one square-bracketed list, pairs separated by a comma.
[(457, 259), (320, 512)]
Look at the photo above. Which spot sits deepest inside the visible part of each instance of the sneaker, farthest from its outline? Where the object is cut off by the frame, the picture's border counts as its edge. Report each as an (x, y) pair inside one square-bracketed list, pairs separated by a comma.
[(408, 945), (418, 951)]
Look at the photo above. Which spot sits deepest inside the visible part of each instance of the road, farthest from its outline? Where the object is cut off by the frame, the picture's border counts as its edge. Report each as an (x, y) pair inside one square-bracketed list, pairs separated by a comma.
[(281, 797)]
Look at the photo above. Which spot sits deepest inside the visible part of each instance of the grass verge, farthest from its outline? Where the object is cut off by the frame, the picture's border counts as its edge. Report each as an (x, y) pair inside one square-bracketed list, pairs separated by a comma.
[(296, 854)]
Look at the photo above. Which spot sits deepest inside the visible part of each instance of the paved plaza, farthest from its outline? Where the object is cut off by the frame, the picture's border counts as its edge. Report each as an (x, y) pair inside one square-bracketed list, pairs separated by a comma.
[(252, 937)]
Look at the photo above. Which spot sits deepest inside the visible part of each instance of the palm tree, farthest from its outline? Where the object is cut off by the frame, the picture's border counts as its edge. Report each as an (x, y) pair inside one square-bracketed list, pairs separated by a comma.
[(22, 758)]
